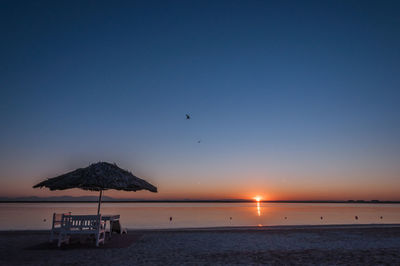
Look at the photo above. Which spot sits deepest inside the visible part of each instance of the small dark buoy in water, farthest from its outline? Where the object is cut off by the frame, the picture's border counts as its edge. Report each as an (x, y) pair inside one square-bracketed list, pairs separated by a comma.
[(322, 217), (356, 217), (170, 219)]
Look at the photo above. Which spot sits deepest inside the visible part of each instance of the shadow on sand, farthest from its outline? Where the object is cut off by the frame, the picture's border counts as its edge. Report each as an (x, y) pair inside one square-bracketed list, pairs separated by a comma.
[(117, 241)]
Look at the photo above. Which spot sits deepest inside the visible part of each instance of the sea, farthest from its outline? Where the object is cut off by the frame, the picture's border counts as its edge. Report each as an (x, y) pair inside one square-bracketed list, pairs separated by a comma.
[(135, 215)]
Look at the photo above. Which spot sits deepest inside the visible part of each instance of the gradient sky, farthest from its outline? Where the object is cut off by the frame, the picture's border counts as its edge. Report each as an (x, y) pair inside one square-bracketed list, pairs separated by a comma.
[(291, 99)]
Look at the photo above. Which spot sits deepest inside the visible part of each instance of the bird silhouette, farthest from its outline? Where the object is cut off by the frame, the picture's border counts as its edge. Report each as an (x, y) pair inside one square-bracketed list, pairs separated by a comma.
[(199, 141), (187, 116)]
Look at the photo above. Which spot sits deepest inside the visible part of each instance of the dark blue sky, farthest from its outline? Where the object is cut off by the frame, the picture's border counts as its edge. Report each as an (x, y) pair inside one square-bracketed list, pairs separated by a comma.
[(284, 95)]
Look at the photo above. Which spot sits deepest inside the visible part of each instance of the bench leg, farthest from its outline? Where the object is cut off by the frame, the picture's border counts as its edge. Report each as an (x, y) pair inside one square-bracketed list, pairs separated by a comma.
[(100, 238), (97, 241), (60, 236), (111, 228), (63, 238), (51, 236)]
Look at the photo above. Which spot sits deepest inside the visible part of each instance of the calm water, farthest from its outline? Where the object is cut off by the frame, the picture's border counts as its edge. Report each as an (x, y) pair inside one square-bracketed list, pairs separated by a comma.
[(20, 216)]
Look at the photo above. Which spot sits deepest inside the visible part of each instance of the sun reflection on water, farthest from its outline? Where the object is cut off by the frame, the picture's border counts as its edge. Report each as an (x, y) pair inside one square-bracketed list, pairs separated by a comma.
[(258, 199)]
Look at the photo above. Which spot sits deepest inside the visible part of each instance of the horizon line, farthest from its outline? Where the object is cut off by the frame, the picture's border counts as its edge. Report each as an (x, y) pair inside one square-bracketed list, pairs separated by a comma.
[(111, 200)]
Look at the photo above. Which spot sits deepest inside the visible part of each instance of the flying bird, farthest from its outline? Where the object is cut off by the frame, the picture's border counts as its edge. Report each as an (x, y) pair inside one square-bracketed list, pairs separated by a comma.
[(187, 116), (199, 141)]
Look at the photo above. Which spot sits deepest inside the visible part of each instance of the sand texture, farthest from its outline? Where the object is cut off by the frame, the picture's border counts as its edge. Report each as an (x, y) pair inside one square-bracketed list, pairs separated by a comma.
[(240, 246)]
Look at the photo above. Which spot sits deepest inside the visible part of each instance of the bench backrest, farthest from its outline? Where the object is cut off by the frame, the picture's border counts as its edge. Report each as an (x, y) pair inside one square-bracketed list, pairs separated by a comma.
[(57, 218), (81, 222)]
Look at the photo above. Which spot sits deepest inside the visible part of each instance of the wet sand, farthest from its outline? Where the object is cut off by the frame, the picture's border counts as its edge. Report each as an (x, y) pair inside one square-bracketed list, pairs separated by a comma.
[(310, 245)]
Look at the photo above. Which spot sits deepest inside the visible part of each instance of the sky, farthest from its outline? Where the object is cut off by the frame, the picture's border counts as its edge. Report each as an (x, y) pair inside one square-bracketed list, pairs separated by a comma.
[(290, 100)]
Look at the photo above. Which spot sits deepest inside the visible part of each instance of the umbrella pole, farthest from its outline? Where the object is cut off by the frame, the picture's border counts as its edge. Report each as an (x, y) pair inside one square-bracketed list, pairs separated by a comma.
[(98, 207)]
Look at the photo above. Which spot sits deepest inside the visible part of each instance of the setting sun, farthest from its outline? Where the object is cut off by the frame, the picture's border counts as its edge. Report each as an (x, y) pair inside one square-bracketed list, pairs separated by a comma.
[(258, 198)]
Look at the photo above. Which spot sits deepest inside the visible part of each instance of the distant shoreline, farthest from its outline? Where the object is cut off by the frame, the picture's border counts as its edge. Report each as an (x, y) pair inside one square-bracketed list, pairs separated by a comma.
[(197, 201)]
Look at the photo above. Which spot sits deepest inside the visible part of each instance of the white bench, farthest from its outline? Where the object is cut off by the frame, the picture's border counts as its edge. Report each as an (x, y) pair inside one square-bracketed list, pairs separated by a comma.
[(81, 225)]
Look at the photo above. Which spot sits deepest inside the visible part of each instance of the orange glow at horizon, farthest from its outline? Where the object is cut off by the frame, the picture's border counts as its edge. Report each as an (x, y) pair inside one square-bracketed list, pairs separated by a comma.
[(22, 187)]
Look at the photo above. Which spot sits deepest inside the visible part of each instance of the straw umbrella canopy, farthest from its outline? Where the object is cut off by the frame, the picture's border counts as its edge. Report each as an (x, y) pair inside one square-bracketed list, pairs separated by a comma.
[(98, 177)]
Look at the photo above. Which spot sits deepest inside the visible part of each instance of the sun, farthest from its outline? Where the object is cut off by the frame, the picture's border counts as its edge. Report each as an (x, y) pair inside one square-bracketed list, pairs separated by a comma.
[(258, 198)]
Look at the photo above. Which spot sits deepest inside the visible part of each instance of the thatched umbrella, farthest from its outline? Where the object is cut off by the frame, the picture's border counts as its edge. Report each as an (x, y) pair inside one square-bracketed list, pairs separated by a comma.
[(97, 177)]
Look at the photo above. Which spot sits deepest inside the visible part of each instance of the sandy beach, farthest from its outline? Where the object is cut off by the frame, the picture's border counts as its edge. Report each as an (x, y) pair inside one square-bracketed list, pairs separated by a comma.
[(327, 245)]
